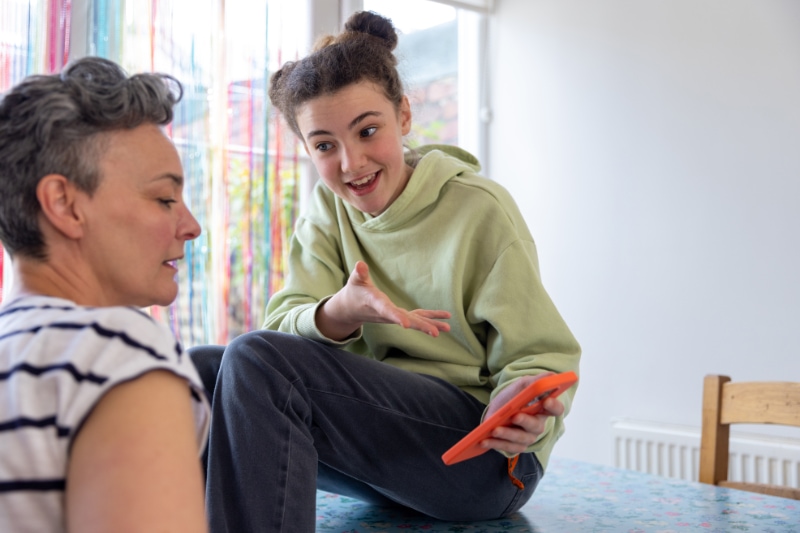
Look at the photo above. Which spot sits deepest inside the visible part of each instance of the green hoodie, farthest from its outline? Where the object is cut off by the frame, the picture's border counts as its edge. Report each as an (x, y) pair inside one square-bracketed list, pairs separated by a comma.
[(452, 240)]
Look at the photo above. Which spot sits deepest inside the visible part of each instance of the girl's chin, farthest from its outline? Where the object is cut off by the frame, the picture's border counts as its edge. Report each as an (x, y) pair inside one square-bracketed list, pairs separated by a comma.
[(372, 206), (371, 210)]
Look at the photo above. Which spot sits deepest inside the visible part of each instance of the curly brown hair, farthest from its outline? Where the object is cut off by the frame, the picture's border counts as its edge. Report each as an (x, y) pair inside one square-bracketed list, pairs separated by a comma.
[(362, 52)]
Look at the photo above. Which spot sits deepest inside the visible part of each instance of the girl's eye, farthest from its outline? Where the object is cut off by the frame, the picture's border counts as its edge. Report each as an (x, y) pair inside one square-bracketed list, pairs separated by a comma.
[(369, 132), (166, 201), (324, 147)]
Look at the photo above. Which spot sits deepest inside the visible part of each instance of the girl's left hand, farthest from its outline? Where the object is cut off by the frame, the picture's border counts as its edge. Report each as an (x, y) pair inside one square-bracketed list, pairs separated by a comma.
[(360, 302), (526, 429)]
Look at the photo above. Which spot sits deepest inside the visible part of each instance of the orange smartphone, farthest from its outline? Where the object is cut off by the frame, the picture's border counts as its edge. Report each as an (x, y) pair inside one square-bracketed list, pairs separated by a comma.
[(529, 400)]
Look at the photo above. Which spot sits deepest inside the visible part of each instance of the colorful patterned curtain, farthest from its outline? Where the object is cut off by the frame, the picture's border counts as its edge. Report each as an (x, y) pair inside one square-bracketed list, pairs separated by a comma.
[(241, 169), (34, 38)]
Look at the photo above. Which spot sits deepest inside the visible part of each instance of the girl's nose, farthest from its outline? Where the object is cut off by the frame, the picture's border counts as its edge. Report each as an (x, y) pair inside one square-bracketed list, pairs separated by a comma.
[(352, 159)]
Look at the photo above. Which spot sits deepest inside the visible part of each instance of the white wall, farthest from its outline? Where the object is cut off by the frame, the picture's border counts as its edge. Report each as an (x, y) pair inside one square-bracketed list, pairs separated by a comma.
[(654, 147)]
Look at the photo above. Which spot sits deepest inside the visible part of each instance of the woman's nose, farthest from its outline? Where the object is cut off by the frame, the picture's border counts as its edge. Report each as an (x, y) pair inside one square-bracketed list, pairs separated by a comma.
[(189, 228)]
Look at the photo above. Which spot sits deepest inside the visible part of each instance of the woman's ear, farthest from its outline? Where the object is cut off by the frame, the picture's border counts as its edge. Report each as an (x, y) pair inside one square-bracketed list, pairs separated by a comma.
[(57, 195), (405, 115)]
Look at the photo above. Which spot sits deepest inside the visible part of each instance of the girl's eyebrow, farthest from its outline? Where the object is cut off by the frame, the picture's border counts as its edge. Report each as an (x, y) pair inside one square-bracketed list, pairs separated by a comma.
[(353, 123), (361, 117)]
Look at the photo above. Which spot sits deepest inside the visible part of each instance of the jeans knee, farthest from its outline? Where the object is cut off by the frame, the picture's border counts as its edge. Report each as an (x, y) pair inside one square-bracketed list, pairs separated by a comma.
[(206, 360), (257, 353), (271, 347), (273, 358)]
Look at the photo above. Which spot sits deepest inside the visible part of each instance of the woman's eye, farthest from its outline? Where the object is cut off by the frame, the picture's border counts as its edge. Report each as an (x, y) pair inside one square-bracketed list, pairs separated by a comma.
[(166, 201), (369, 132), (324, 147)]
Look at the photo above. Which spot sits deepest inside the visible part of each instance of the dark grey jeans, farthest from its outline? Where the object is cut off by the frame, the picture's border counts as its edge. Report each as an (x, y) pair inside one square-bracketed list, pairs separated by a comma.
[(291, 415)]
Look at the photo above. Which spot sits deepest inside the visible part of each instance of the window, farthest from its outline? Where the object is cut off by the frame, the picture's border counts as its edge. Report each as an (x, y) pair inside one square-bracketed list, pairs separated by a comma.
[(244, 169), (440, 59)]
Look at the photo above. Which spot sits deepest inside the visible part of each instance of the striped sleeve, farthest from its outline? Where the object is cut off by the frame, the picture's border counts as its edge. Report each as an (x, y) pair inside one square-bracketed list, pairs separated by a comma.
[(57, 360)]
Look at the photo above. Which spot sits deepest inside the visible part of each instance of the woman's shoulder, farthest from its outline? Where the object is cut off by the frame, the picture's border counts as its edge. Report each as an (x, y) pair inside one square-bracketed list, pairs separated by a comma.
[(123, 322), (51, 321), (42, 309)]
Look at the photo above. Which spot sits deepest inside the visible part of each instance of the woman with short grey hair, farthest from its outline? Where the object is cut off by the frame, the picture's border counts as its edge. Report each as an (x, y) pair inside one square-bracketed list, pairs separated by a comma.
[(102, 417)]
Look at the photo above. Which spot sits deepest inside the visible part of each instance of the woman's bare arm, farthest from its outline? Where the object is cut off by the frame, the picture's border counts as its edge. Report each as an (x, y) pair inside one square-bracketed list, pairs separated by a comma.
[(134, 466)]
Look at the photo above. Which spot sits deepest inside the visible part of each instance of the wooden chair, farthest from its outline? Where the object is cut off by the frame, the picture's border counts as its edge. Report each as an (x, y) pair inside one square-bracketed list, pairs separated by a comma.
[(726, 403)]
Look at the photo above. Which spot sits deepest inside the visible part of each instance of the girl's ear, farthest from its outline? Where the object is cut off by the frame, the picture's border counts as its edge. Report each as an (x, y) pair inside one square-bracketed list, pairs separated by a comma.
[(57, 195), (405, 115)]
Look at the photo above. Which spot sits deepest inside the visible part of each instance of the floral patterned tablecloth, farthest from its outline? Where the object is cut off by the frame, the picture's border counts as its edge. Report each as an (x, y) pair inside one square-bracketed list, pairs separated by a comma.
[(578, 497)]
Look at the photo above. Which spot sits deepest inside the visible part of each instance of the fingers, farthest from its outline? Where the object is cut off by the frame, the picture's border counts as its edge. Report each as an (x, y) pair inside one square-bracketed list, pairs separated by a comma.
[(515, 439), (360, 273), (526, 429), (432, 314), (426, 320), (512, 439), (507, 393), (553, 407), (374, 306), (504, 446), (388, 313), (425, 325), (512, 390)]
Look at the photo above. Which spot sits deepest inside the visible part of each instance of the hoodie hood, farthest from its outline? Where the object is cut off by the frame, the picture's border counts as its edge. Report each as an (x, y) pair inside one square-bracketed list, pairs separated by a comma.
[(454, 151)]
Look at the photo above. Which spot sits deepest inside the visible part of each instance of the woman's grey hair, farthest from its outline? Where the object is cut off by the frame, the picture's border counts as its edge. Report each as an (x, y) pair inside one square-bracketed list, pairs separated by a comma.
[(54, 124)]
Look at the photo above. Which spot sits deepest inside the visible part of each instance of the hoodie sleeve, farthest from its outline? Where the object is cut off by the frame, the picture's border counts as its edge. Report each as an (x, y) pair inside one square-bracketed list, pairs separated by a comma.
[(525, 333), (315, 272)]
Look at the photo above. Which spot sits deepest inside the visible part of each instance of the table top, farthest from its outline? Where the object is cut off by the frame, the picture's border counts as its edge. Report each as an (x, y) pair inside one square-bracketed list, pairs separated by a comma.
[(577, 497)]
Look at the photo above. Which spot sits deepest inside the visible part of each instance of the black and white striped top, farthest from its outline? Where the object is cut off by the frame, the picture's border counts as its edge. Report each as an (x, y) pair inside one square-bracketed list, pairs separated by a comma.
[(57, 360)]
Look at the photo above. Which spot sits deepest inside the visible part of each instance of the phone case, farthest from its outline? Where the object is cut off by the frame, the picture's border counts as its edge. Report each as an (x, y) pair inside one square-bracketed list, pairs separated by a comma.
[(528, 400)]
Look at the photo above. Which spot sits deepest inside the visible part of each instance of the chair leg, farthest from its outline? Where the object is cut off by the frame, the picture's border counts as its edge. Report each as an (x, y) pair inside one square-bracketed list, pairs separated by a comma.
[(715, 436)]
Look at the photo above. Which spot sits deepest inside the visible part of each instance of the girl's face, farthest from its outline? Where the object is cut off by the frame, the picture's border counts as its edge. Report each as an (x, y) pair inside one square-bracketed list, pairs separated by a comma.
[(355, 140)]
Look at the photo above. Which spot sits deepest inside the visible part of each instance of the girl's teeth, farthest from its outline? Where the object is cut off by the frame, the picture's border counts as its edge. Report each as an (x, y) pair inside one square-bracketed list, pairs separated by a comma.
[(363, 181)]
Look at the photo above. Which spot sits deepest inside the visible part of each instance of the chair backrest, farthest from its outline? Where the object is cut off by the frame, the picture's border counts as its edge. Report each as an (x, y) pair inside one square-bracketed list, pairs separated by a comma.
[(726, 403)]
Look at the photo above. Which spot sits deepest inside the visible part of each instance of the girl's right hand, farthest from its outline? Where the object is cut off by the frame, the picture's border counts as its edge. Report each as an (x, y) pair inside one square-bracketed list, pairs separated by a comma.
[(360, 302)]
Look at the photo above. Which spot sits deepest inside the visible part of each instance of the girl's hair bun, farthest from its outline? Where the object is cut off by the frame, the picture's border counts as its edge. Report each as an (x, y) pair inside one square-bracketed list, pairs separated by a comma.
[(373, 24), (363, 51)]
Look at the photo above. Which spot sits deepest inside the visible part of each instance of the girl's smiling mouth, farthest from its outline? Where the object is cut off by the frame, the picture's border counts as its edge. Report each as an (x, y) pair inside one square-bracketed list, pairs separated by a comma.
[(364, 185)]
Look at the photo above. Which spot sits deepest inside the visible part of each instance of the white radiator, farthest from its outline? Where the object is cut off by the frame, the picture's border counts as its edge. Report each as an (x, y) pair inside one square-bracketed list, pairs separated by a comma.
[(674, 451)]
